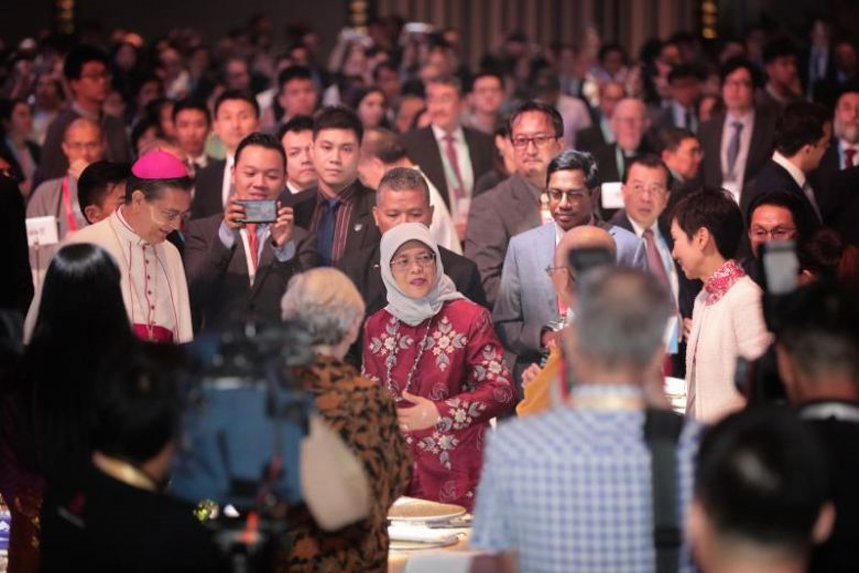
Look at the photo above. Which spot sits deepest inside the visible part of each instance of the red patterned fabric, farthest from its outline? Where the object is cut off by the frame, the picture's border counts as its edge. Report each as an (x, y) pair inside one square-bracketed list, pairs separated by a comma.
[(722, 280)]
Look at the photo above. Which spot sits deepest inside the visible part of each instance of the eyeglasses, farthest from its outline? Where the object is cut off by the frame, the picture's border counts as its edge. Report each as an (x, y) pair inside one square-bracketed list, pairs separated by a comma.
[(777, 234), (424, 261), (539, 141), (557, 196)]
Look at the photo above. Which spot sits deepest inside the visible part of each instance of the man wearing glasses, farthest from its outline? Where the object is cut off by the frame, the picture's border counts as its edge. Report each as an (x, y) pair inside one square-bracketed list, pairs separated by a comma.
[(775, 216), (87, 74), (513, 206), (527, 303)]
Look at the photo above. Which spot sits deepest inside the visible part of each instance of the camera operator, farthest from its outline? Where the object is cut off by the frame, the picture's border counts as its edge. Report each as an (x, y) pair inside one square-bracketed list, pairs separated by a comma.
[(819, 365)]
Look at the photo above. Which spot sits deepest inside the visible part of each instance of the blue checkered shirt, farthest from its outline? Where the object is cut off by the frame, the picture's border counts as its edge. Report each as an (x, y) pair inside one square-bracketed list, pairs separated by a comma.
[(570, 491)]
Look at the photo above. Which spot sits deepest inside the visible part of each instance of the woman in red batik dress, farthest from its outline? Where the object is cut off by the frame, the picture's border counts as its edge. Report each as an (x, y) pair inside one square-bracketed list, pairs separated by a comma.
[(438, 354)]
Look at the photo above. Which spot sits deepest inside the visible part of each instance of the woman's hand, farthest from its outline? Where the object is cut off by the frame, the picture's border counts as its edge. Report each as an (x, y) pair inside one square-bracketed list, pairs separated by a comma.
[(421, 416)]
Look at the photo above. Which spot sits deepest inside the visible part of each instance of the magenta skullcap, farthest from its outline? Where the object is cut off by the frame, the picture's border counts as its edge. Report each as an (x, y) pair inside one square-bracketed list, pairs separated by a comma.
[(159, 164)]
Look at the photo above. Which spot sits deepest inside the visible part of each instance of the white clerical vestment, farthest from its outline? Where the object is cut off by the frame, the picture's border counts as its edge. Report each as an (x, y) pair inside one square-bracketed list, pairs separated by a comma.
[(153, 282)]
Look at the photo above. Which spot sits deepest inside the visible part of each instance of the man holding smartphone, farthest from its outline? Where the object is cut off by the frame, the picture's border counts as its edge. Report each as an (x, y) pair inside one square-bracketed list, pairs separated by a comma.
[(238, 264)]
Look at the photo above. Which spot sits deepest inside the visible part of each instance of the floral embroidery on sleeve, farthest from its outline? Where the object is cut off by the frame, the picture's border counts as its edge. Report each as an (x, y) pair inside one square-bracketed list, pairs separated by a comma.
[(440, 444)]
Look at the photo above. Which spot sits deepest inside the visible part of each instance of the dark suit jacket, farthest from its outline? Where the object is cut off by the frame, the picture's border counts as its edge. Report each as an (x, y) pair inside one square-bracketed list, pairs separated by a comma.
[(16, 284), (843, 205), (590, 138), (760, 147), (774, 177), (502, 212), (422, 148), (687, 289), (362, 227), (219, 288), (828, 181), (7, 154), (363, 269), (208, 190)]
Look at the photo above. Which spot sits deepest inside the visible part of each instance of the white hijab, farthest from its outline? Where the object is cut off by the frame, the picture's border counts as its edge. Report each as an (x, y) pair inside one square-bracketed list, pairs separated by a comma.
[(414, 311)]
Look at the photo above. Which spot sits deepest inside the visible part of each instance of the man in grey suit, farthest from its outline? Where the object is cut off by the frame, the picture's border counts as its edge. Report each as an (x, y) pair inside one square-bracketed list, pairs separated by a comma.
[(526, 300), (513, 206)]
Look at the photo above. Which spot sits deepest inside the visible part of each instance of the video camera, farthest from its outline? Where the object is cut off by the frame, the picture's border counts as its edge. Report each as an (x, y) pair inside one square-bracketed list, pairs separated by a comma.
[(245, 416)]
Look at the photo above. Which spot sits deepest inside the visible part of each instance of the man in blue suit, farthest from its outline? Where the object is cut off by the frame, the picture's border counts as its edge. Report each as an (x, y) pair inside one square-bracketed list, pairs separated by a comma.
[(526, 301)]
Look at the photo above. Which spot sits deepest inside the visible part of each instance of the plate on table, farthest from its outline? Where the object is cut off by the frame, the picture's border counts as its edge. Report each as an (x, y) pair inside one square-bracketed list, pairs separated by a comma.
[(421, 510)]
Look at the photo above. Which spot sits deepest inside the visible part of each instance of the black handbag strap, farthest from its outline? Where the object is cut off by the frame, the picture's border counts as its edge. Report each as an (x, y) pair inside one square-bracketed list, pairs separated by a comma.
[(661, 432)]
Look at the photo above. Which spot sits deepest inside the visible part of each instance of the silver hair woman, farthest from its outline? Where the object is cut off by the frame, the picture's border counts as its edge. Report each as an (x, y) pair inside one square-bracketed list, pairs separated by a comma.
[(326, 303)]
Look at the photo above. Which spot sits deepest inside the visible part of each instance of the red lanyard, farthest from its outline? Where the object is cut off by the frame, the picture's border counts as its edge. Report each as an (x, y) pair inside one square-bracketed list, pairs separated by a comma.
[(67, 205)]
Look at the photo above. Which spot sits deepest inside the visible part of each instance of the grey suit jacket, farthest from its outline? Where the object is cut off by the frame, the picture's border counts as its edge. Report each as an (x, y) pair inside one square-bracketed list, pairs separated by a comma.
[(510, 208), (526, 298)]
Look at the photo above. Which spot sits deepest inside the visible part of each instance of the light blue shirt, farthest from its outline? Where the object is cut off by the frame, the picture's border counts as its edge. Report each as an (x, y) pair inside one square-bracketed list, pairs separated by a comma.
[(283, 254)]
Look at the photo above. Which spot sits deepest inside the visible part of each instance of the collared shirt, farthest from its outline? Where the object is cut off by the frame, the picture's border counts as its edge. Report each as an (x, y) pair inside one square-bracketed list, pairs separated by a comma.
[(678, 112), (199, 162), (344, 205), (466, 171), (293, 189), (843, 146), (227, 183), (830, 410), (748, 121), (795, 172), (664, 253), (228, 237), (570, 491)]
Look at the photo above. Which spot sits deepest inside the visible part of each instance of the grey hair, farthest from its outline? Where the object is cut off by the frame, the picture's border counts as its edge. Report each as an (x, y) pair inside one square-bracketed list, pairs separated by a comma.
[(621, 315), (325, 302), (403, 179)]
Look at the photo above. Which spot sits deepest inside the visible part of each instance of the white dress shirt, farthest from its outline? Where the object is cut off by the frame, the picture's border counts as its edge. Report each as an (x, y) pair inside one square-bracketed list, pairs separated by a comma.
[(227, 183), (459, 209)]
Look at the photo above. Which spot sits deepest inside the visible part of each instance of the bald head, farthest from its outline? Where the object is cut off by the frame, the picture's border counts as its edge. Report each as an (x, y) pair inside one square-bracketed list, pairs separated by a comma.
[(583, 236), (629, 123), (82, 141)]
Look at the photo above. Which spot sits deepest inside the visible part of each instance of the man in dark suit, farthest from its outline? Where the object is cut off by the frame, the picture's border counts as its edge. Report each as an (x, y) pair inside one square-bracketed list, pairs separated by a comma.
[(236, 117), (193, 123), (339, 209), (817, 65), (646, 191), (452, 156), (738, 142), (629, 124), (783, 86), (681, 152), (684, 89), (802, 139), (513, 206), (840, 159), (237, 271), (404, 197), (601, 133), (817, 363)]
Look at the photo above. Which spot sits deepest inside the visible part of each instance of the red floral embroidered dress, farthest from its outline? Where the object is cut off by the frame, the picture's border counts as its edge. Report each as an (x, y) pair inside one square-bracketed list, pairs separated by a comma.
[(461, 368)]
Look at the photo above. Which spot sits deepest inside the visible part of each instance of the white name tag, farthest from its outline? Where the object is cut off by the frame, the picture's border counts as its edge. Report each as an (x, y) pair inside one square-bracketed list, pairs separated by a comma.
[(611, 196), (42, 231)]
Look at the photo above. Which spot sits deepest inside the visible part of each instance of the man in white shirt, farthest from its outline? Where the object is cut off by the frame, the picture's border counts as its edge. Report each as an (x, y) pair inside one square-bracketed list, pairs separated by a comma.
[(802, 139), (452, 156), (236, 117), (296, 136), (646, 191)]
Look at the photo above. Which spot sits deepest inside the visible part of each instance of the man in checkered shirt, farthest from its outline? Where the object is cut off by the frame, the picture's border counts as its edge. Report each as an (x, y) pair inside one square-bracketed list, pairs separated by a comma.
[(570, 490)]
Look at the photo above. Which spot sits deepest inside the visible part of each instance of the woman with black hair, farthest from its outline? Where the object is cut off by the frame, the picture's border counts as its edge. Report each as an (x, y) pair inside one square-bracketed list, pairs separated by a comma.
[(47, 412)]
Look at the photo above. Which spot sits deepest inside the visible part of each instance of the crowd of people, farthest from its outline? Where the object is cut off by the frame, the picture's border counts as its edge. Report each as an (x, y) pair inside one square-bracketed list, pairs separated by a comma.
[(533, 244)]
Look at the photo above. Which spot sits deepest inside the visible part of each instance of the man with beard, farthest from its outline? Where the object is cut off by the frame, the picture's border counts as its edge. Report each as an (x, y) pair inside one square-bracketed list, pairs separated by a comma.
[(837, 168)]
